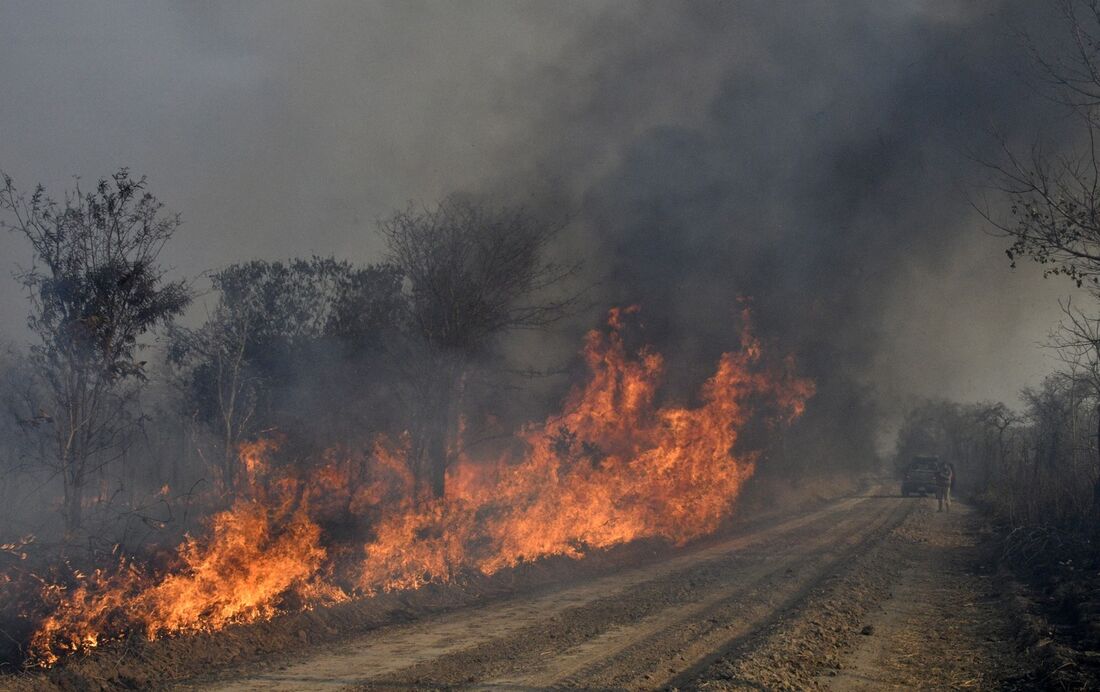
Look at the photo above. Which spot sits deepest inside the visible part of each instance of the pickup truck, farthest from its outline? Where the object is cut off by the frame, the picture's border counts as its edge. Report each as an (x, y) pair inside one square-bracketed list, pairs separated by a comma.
[(920, 476)]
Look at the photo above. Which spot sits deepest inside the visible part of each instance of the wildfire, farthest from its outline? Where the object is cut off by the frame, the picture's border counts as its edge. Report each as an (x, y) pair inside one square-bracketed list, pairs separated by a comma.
[(612, 467)]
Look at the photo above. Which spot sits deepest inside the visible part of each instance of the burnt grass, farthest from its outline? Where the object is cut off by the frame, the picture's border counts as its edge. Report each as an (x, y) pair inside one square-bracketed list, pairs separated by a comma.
[(1055, 586)]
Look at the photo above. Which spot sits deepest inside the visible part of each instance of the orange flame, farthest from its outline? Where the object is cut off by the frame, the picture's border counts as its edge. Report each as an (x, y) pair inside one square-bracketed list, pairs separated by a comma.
[(612, 467)]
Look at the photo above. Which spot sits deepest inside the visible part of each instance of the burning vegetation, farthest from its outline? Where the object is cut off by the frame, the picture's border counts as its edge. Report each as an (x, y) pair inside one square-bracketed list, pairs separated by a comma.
[(615, 465), (332, 432)]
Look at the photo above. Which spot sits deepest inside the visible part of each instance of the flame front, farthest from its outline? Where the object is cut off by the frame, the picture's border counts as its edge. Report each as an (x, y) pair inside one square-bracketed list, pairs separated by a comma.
[(612, 467)]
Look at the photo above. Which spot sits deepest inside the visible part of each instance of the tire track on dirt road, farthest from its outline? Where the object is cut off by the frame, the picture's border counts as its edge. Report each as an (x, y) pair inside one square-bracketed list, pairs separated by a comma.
[(677, 643), (395, 655), (683, 619)]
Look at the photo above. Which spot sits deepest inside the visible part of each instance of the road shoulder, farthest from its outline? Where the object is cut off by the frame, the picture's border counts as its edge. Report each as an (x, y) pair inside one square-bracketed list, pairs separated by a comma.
[(944, 625), (920, 610)]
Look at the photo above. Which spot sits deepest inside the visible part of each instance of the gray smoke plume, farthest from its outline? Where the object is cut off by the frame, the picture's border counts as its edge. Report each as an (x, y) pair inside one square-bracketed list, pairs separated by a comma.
[(808, 155), (816, 157)]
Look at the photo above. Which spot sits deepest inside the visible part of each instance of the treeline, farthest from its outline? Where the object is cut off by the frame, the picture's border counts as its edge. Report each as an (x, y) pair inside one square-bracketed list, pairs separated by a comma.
[(1036, 466), (121, 419), (1039, 466)]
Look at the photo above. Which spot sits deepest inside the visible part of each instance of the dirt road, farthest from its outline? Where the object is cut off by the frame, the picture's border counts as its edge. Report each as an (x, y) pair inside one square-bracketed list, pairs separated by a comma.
[(944, 624), (805, 602)]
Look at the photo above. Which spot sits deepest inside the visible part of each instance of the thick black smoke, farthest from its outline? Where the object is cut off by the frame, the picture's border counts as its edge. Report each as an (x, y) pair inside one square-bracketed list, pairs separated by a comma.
[(810, 155), (806, 155)]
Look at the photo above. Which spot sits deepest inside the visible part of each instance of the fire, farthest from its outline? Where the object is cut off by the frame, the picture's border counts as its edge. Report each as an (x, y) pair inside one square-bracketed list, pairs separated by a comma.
[(246, 551), (612, 467), (240, 572)]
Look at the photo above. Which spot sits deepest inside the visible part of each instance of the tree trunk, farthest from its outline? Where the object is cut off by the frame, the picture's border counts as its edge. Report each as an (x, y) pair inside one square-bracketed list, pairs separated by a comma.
[(229, 464), (439, 435), (74, 502), (440, 424), (436, 476)]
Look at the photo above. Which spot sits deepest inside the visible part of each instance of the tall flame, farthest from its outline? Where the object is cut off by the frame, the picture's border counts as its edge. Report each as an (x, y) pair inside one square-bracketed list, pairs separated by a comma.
[(612, 467)]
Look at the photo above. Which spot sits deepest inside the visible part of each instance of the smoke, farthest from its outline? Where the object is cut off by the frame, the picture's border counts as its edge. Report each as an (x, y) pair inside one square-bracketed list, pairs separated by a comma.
[(807, 155), (818, 158)]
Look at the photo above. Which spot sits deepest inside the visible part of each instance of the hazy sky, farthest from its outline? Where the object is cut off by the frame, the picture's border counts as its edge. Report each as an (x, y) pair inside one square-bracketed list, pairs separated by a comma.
[(811, 146)]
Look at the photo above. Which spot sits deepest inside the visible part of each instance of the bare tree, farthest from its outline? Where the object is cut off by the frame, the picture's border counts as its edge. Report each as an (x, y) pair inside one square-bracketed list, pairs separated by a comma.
[(1077, 343), (219, 347), (997, 418), (472, 271), (95, 289), (1054, 195)]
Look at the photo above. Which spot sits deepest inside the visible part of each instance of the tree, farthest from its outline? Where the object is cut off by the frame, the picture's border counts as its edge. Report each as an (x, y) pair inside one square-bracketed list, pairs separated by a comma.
[(215, 380), (1077, 343), (971, 436), (995, 420), (924, 430), (1054, 196), (472, 272), (95, 289), (272, 335)]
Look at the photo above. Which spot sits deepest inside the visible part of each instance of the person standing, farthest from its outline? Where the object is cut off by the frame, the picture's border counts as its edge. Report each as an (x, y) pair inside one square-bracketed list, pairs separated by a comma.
[(945, 480)]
